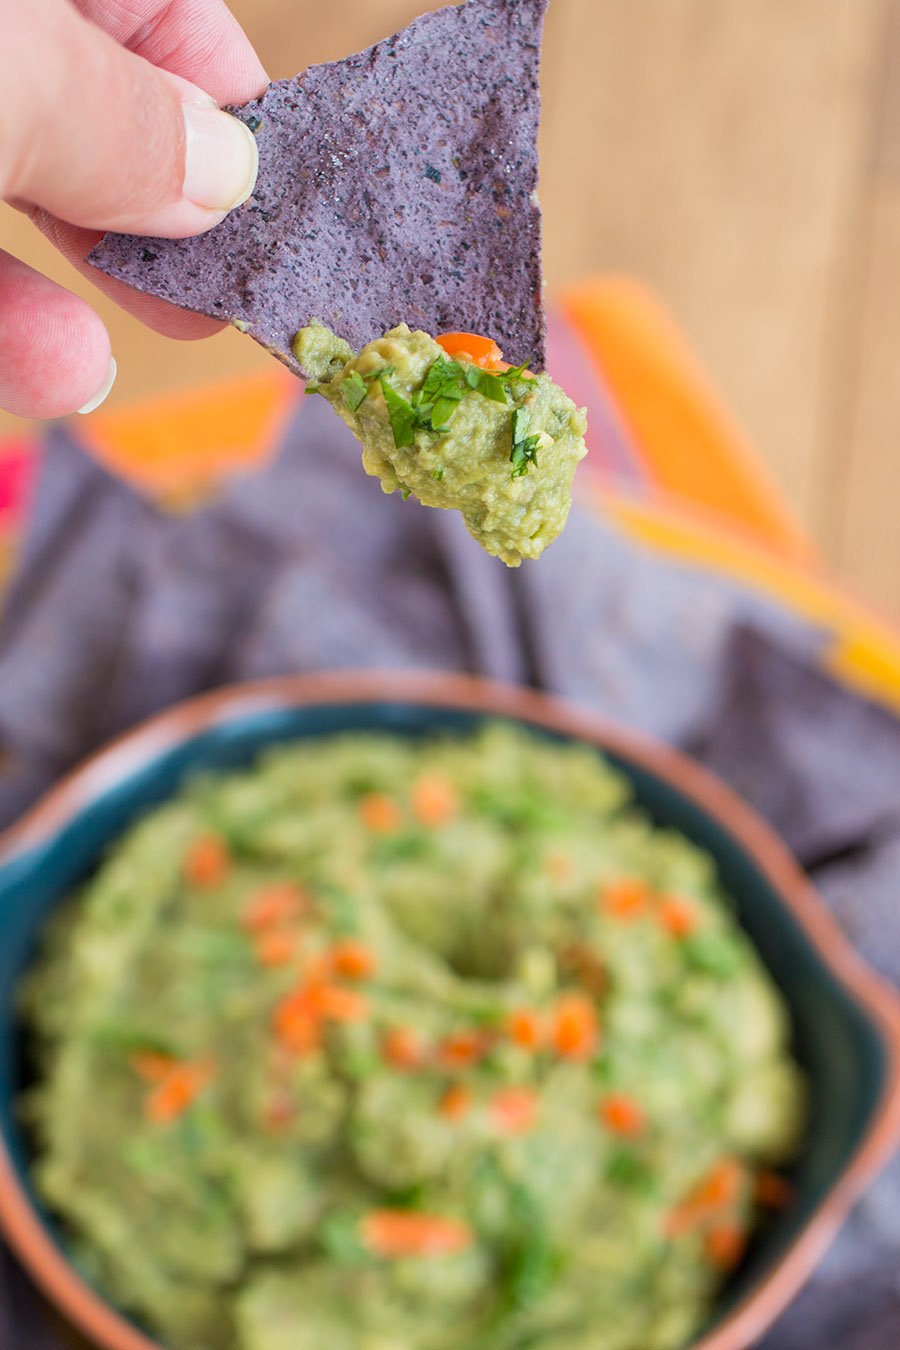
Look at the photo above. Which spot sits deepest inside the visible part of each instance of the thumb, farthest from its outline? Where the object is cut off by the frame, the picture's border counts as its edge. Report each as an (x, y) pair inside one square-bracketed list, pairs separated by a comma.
[(106, 140)]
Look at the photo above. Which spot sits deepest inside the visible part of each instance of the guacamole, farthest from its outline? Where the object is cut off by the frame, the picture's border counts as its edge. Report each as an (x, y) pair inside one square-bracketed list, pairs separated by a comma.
[(409, 1045), (498, 445)]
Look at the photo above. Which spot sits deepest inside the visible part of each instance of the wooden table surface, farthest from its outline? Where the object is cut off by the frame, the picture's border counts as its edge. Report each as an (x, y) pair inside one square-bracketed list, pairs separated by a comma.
[(743, 157)]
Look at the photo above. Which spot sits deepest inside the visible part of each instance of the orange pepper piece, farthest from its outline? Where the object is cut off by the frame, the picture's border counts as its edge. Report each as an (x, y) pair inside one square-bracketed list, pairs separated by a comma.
[(576, 1027), (625, 899), (722, 1184), (677, 915), (472, 347), (353, 959), (380, 813), (207, 861), (622, 1114), (403, 1232), (525, 1027), (178, 1091), (716, 1191), (337, 1003), (434, 800), (725, 1244), (295, 1023), (402, 1048), (462, 1048), (455, 1102)]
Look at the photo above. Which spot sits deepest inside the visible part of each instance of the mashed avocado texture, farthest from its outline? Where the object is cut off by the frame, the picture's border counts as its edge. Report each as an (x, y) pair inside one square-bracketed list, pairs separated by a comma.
[(394, 1045), (501, 447)]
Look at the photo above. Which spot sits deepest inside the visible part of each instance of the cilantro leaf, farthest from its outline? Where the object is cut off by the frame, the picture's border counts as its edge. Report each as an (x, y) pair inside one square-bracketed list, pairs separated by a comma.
[(353, 390), (524, 454), (443, 410), (487, 384), (440, 394), (404, 417), (625, 1168), (521, 423), (516, 375), (433, 405), (524, 446), (441, 375)]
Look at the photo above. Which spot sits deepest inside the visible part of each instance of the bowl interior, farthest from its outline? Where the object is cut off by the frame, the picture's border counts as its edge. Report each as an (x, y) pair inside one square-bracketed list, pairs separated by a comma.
[(841, 1049)]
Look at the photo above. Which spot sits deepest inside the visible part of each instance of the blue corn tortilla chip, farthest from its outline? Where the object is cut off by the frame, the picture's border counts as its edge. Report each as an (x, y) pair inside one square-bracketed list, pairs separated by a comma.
[(397, 185)]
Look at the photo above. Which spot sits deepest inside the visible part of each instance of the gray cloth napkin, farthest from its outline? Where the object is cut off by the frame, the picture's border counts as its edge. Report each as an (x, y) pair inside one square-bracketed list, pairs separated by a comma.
[(117, 610)]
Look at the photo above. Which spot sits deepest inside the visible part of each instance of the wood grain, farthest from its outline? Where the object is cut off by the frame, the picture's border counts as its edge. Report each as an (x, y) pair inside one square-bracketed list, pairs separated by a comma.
[(864, 484), (714, 148)]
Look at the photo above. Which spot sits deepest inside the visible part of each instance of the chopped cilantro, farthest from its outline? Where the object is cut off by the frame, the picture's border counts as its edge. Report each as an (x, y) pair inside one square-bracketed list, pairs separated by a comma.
[(438, 473), (432, 406), (442, 375), (353, 390), (404, 417), (532, 1269), (488, 385), (443, 410), (626, 1169), (516, 375), (524, 446), (405, 493), (523, 454), (521, 423), (440, 394)]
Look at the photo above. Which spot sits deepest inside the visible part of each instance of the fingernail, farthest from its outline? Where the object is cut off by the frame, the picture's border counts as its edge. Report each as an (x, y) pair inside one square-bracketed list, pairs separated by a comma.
[(221, 158), (108, 381)]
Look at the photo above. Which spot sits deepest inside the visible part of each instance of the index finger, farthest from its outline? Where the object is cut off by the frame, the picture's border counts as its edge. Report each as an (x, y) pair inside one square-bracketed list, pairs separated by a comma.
[(200, 40)]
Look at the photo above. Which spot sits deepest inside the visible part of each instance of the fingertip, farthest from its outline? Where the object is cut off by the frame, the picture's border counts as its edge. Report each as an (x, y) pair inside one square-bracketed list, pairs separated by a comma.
[(105, 389), (54, 350)]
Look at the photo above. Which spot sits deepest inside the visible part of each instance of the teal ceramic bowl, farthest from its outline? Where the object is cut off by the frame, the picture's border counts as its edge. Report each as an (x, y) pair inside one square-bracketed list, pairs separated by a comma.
[(846, 1021)]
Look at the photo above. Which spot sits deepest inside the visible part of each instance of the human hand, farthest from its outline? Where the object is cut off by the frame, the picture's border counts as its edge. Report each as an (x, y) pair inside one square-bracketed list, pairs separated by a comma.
[(109, 121)]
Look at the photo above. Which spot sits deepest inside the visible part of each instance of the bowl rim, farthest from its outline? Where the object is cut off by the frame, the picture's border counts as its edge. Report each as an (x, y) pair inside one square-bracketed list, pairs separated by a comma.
[(749, 1318)]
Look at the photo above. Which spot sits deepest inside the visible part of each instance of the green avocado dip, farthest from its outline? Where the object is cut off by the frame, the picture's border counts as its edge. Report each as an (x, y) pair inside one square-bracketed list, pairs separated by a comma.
[(409, 1045), (501, 447)]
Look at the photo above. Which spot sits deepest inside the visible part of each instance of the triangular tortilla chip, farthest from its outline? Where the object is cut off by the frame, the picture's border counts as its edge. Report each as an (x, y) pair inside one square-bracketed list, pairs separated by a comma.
[(397, 185)]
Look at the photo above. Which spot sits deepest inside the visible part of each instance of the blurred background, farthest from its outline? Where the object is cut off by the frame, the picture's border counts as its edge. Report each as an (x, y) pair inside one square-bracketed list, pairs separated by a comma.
[(743, 158)]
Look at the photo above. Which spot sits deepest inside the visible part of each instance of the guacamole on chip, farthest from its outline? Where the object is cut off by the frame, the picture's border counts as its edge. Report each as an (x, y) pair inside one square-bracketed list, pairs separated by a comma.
[(457, 430), (385, 1044)]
